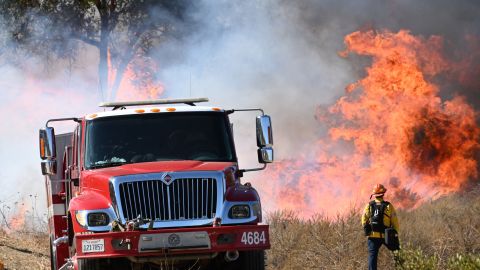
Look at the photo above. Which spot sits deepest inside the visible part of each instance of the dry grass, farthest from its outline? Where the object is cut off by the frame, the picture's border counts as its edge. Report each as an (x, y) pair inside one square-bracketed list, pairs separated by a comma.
[(445, 227), (438, 235), (431, 238)]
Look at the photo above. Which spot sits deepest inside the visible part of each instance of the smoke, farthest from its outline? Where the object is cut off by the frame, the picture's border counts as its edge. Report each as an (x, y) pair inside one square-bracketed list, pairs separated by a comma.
[(251, 54), (32, 94), (279, 55), (283, 56)]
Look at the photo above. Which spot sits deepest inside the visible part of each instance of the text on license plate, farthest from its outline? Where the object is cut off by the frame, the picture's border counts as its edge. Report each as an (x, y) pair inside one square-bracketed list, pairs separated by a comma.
[(89, 246)]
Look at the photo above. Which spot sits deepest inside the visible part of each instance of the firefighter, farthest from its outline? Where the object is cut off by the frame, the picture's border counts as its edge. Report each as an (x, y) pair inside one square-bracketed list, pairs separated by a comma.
[(377, 216)]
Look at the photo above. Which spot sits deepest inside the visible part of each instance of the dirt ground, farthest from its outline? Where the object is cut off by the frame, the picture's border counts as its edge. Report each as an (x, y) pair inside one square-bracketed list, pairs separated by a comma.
[(24, 251)]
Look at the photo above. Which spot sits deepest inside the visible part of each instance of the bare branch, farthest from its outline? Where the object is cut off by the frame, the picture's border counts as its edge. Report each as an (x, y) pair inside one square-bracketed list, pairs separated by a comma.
[(4, 219)]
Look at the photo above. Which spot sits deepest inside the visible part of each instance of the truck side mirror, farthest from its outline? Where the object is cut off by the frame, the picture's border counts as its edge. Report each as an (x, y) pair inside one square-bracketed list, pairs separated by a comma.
[(264, 139), (49, 167), (265, 155), (48, 151), (264, 131), (47, 143)]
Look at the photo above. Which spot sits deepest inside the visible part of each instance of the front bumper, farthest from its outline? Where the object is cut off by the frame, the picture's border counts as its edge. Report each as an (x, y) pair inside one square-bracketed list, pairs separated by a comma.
[(176, 241)]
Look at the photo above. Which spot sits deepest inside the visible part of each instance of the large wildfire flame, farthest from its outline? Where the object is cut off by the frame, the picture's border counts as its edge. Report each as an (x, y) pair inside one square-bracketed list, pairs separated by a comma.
[(390, 127)]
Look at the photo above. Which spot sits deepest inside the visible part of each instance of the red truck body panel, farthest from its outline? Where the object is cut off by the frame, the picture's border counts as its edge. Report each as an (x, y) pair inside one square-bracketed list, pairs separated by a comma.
[(213, 233)]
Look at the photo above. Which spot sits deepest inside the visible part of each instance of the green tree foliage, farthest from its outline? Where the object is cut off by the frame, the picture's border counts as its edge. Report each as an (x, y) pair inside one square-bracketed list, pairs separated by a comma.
[(121, 28)]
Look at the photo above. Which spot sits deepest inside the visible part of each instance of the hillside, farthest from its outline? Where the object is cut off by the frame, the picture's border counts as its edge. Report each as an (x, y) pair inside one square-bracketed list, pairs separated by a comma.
[(443, 234)]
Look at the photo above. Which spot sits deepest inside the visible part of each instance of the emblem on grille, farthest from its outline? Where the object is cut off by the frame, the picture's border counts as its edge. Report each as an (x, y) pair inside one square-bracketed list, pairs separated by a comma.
[(174, 240), (167, 179)]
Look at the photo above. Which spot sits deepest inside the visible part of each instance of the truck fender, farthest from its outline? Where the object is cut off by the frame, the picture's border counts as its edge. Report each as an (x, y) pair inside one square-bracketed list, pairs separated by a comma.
[(87, 200), (242, 193)]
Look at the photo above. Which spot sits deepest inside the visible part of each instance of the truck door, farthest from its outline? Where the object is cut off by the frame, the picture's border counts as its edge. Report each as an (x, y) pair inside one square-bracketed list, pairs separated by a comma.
[(73, 165)]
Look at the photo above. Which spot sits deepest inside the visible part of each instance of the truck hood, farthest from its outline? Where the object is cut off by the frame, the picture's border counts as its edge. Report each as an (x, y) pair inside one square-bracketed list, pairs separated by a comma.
[(98, 179)]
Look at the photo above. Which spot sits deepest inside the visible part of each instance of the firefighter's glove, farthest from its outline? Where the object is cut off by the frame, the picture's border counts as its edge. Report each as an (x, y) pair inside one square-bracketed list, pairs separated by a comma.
[(367, 229)]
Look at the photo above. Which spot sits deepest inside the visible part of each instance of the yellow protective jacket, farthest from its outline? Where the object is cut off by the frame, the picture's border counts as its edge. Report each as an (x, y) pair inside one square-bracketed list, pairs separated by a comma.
[(389, 218)]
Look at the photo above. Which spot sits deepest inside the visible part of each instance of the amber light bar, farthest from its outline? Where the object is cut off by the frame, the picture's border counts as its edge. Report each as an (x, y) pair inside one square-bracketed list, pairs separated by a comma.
[(120, 104)]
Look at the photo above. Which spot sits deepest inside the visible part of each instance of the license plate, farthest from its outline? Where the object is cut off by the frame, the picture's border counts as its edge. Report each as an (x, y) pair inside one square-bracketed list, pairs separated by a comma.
[(89, 246)]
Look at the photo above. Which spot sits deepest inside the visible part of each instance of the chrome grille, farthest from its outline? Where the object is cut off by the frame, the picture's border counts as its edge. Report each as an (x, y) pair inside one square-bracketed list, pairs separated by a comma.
[(182, 199)]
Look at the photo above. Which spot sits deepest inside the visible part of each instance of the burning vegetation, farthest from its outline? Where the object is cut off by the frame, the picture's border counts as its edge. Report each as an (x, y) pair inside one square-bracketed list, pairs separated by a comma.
[(391, 127), (137, 81)]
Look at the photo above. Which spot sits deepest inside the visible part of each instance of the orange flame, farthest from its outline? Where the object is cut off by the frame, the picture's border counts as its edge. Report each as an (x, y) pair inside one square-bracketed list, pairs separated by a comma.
[(391, 127), (17, 221), (138, 80)]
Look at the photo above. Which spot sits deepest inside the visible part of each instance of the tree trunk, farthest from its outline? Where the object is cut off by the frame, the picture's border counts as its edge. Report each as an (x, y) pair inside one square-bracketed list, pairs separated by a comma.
[(103, 62), (119, 73), (103, 71), (127, 57)]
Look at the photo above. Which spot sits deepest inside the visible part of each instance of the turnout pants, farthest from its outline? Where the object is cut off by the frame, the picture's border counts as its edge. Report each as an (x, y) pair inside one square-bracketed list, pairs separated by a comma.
[(374, 245)]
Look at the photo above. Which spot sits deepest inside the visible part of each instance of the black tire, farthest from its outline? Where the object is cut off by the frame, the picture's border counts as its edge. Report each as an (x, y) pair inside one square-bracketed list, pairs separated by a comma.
[(89, 264), (101, 264), (248, 260), (252, 260), (52, 257), (71, 233)]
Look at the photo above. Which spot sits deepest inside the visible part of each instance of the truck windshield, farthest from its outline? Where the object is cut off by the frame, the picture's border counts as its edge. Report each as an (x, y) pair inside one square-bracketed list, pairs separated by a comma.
[(118, 140)]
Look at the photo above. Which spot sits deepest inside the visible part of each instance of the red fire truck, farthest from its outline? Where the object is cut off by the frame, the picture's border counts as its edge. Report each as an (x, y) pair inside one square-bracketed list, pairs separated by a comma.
[(153, 185)]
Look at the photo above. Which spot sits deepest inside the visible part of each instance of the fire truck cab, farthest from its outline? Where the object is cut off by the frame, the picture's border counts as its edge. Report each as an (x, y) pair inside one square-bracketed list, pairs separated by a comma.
[(153, 185)]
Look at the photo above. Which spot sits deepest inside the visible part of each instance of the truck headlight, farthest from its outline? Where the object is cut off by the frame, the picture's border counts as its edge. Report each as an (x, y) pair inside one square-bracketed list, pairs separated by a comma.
[(81, 218), (92, 219), (239, 211), (98, 219)]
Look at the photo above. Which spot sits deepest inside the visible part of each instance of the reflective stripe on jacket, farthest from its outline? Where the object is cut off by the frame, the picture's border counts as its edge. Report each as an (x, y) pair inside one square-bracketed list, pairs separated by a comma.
[(389, 217)]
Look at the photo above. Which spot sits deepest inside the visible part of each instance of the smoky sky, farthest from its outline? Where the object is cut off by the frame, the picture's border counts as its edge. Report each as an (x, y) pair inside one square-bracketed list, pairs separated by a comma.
[(283, 55), (279, 55)]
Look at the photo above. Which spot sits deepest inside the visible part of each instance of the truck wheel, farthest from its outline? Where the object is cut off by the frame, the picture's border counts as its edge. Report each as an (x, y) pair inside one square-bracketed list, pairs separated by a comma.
[(101, 264), (89, 264), (252, 260), (248, 260), (52, 257)]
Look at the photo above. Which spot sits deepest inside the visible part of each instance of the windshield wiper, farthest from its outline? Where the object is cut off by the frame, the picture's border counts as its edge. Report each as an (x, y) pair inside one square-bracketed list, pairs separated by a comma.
[(107, 164)]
